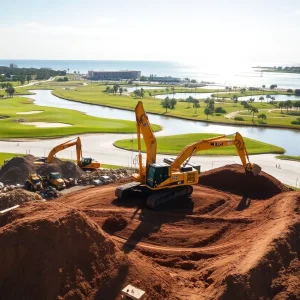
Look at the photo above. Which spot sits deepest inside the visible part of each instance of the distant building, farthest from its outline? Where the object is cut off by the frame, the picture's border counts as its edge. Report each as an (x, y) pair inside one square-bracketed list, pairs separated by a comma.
[(113, 75), (13, 66)]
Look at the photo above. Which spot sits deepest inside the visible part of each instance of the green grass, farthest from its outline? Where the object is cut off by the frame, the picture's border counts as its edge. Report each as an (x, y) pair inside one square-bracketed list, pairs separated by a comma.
[(80, 122), (288, 157), (4, 156), (174, 144), (94, 93)]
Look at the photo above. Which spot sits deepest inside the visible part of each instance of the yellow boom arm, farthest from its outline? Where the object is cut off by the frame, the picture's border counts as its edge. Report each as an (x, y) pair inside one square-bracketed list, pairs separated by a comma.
[(144, 127), (216, 142), (74, 142)]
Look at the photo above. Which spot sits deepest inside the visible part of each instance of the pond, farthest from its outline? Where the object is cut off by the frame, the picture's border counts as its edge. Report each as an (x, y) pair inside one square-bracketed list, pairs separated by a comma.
[(286, 138)]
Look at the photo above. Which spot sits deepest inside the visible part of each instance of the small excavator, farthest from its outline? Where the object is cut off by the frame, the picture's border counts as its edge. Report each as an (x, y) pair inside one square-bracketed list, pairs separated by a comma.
[(163, 182), (83, 162)]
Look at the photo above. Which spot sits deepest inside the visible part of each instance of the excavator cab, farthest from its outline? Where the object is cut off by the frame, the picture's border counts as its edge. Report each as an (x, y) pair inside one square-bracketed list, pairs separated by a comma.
[(86, 161), (157, 173)]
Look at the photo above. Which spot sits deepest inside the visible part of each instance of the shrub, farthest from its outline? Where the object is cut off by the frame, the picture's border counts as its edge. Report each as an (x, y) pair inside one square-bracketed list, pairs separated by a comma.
[(218, 114), (220, 110), (289, 90), (239, 119), (297, 92), (297, 122)]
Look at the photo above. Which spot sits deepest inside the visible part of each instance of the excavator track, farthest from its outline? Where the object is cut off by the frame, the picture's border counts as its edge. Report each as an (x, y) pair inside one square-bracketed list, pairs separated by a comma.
[(122, 192), (158, 198)]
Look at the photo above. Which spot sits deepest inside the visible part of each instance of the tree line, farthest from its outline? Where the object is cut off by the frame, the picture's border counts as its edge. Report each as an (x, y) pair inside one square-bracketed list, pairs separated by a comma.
[(27, 74)]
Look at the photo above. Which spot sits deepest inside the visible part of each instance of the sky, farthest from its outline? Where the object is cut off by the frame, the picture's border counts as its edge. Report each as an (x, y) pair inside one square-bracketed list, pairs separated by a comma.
[(174, 30)]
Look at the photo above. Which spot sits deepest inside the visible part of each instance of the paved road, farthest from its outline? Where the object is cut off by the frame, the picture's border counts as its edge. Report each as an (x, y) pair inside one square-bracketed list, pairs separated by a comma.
[(99, 146)]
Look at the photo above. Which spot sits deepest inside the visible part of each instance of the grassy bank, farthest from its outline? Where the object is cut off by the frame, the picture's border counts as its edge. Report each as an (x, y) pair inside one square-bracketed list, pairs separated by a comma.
[(95, 94), (4, 156), (288, 157), (174, 144), (10, 127)]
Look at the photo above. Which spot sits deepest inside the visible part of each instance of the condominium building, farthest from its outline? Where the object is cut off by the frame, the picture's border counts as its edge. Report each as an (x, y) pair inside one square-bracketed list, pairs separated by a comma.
[(113, 75)]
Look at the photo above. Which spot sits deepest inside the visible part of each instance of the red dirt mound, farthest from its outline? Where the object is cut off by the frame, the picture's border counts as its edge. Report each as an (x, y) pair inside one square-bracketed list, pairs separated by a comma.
[(233, 179), (51, 251), (114, 223)]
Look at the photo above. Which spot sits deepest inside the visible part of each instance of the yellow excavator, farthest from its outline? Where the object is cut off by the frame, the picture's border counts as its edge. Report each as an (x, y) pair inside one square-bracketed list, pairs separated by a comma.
[(82, 162), (163, 182)]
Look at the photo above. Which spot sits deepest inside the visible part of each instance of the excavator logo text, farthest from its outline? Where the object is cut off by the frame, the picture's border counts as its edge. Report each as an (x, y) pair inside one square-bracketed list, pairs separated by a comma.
[(216, 144)]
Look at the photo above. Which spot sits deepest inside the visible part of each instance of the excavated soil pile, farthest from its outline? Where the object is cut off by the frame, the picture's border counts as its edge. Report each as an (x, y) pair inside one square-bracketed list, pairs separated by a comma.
[(18, 168), (67, 169), (114, 223), (16, 197), (51, 251), (233, 179)]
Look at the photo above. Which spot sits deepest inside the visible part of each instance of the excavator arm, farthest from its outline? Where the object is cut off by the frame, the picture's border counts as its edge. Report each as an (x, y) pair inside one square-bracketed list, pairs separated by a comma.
[(75, 142), (217, 142), (144, 127)]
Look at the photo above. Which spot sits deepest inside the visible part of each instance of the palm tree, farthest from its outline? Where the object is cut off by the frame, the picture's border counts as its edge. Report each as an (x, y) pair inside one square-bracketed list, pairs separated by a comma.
[(253, 110), (288, 104), (189, 100), (281, 105), (262, 117), (208, 112), (120, 90), (268, 97), (261, 98), (172, 88)]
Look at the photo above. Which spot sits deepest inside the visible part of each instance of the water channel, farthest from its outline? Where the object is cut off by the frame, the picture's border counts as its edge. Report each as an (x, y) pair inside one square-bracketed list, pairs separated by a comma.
[(287, 138)]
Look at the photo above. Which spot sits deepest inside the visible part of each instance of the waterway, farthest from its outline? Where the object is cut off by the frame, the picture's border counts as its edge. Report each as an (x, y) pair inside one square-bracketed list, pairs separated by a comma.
[(286, 138)]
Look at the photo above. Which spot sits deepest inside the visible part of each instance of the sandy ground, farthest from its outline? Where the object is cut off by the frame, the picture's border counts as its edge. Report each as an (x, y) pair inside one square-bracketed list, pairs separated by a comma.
[(46, 125), (29, 112)]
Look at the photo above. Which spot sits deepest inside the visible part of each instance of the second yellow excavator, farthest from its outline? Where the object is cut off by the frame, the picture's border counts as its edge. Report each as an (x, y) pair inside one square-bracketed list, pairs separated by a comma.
[(82, 162), (163, 182)]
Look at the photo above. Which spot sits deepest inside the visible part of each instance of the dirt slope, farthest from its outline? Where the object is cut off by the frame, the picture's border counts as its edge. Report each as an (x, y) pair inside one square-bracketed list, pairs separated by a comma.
[(50, 251), (216, 245)]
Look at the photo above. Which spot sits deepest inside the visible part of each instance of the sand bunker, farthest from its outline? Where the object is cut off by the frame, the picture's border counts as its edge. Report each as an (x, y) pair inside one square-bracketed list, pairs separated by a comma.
[(45, 124), (29, 112)]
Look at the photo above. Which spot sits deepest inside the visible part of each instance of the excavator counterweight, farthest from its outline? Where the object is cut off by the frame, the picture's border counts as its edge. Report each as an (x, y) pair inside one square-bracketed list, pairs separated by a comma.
[(164, 182)]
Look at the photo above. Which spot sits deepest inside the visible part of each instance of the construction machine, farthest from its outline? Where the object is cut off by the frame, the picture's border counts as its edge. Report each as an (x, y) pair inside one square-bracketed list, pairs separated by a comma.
[(55, 180), (34, 182), (83, 162), (163, 182)]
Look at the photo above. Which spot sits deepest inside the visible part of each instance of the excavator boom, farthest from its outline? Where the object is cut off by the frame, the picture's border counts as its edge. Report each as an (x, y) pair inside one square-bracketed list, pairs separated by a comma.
[(165, 182), (217, 142), (84, 163)]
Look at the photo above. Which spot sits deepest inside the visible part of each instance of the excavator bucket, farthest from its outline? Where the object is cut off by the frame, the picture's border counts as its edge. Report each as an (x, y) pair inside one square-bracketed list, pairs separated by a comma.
[(256, 169)]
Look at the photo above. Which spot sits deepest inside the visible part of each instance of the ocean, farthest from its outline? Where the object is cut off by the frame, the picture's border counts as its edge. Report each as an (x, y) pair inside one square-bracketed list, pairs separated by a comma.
[(221, 75)]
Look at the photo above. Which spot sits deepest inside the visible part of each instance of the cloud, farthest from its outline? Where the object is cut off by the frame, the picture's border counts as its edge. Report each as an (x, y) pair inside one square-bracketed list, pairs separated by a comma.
[(100, 28), (295, 13)]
